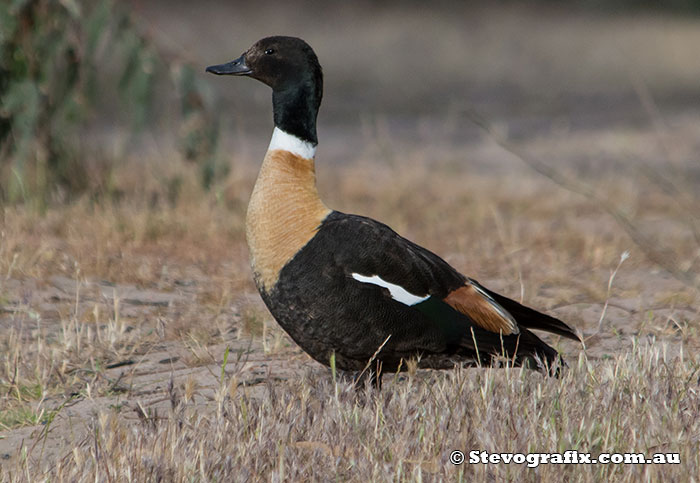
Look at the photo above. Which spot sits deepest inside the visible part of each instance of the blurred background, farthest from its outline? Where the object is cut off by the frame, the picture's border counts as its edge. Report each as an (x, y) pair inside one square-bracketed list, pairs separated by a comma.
[(86, 84), (109, 101)]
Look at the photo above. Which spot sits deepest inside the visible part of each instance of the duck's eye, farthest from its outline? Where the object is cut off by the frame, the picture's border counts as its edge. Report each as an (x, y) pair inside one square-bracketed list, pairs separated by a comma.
[(269, 51)]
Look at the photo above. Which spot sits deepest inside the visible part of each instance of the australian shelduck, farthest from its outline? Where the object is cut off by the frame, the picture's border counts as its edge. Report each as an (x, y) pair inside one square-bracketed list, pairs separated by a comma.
[(348, 287)]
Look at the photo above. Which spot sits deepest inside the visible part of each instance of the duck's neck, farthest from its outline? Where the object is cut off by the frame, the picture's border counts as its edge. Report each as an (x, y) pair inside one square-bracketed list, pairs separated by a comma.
[(296, 107), (285, 209)]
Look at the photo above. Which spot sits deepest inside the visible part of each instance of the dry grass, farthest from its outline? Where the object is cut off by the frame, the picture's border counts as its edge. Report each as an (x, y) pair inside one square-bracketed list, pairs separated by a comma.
[(311, 428), (100, 381), (134, 347)]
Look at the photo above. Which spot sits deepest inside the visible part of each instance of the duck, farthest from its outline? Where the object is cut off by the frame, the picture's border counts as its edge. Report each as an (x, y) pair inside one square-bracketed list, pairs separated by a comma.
[(349, 290)]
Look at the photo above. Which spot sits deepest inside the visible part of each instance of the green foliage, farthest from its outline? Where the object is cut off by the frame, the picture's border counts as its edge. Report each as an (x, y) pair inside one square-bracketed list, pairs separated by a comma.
[(200, 129), (58, 61)]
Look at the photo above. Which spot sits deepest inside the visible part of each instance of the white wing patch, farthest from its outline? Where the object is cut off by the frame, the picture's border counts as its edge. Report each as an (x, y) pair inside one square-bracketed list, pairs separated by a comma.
[(397, 292), (288, 142)]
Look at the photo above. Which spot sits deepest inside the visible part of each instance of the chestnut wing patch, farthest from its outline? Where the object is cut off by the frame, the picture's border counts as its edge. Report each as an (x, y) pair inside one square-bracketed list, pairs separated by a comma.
[(482, 309)]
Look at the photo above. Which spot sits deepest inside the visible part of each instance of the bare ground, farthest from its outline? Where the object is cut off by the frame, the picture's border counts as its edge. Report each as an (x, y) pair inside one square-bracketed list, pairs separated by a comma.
[(129, 310), (116, 318)]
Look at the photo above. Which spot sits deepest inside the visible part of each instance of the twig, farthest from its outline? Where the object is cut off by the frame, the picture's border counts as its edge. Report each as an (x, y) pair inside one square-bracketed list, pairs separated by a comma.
[(662, 260), (680, 198), (641, 89)]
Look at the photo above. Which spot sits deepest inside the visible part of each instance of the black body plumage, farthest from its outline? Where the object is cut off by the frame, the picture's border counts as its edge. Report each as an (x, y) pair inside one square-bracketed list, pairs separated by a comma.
[(325, 310)]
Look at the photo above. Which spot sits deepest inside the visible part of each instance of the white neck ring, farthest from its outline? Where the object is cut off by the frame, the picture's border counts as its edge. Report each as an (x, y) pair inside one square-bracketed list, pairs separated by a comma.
[(288, 142)]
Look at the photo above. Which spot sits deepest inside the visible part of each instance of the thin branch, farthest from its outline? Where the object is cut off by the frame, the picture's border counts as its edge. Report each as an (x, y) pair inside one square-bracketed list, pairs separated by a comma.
[(681, 199), (663, 260), (641, 89)]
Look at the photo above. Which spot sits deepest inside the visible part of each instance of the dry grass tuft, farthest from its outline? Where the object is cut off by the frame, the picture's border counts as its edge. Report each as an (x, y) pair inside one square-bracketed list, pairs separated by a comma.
[(135, 347), (640, 401)]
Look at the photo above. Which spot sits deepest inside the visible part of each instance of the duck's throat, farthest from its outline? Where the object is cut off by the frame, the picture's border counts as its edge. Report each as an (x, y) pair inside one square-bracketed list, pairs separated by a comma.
[(285, 210), (295, 109)]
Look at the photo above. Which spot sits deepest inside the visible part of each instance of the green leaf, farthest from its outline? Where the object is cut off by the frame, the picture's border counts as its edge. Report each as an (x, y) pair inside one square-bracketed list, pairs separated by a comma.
[(96, 25), (21, 103)]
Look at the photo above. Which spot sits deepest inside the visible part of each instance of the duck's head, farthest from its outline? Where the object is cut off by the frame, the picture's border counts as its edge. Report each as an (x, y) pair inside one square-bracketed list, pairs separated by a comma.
[(290, 66), (280, 62)]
